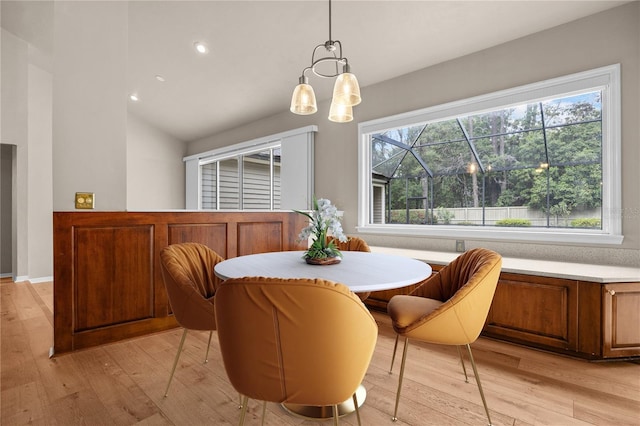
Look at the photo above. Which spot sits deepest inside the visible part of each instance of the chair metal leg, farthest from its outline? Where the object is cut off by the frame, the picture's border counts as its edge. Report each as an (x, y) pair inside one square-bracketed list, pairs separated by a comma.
[(404, 359), (475, 372), (355, 404), (464, 369), (335, 415), (175, 362), (245, 403), (206, 356), (393, 357)]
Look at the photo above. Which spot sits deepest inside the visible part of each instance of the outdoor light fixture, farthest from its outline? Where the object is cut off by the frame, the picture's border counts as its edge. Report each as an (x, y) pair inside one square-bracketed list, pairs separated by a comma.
[(346, 92)]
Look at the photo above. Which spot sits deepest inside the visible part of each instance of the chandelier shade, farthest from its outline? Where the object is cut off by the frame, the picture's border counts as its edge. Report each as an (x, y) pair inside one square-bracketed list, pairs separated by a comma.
[(340, 113), (346, 91), (303, 101)]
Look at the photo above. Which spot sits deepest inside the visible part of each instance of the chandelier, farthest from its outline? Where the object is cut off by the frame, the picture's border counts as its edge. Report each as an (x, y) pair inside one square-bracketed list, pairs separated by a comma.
[(346, 92)]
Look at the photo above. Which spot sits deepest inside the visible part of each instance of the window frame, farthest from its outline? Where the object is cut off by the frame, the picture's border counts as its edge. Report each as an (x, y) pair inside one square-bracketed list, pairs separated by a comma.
[(298, 145), (238, 155), (605, 78)]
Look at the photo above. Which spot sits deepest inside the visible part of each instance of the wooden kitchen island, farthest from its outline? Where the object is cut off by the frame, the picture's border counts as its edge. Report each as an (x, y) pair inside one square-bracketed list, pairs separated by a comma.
[(107, 280)]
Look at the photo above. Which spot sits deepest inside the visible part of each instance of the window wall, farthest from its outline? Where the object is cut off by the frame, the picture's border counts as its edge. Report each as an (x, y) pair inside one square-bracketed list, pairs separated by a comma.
[(537, 162)]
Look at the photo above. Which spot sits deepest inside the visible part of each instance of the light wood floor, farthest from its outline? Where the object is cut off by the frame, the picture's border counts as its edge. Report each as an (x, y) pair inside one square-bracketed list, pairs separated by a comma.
[(123, 383)]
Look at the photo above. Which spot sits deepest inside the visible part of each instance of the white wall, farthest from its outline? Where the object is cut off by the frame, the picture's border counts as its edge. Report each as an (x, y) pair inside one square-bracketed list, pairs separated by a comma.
[(155, 170), (71, 130), (603, 39), (90, 128), (26, 123), (40, 174), (90, 103), (14, 131)]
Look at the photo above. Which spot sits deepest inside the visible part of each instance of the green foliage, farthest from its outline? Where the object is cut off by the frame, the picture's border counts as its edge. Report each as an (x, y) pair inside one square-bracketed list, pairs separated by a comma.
[(445, 215), (592, 222), (514, 222), (416, 216), (320, 250), (511, 147)]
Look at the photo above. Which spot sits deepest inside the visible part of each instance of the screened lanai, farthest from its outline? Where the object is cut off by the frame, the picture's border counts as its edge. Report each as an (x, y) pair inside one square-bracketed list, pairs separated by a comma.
[(537, 164)]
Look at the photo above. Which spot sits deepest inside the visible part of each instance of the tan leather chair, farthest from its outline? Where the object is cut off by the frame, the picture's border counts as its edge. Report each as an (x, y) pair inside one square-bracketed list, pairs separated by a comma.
[(187, 271), (450, 308), (296, 341), (353, 244)]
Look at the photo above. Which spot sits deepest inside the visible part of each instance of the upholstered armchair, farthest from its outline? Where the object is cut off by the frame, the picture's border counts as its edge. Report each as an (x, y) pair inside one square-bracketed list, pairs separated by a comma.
[(294, 341), (187, 271), (450, 308), (352, 244)]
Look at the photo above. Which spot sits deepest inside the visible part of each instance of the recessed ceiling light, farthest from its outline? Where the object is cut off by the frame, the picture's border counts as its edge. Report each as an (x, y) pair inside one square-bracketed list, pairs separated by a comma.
[(160, 78), (134, 97), (200, 47)]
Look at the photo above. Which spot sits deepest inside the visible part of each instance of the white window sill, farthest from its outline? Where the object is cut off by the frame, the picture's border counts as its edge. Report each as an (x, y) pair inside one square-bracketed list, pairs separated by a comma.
[(554, 236)]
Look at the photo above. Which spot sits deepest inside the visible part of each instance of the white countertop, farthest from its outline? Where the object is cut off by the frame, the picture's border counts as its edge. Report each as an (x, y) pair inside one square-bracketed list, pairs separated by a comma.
[(544, 268)]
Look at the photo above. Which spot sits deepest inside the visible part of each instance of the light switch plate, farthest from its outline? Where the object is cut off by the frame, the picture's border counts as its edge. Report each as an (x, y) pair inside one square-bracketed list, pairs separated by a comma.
[(460, 246), (85, 200)]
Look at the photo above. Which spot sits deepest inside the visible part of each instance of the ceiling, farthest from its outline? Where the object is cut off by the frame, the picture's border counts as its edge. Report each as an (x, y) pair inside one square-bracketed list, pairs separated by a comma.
[(257, 49)]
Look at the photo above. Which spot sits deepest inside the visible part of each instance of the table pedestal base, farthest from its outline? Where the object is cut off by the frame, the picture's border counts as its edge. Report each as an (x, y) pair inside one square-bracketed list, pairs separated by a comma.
[(326, 412)]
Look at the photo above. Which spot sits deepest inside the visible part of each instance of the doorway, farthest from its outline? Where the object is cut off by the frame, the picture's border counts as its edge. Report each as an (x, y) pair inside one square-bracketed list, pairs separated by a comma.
[(7, 167)]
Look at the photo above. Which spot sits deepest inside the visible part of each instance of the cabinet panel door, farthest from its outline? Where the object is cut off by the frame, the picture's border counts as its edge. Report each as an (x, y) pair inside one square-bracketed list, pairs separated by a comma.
[(260, 237), (529, 309), (621, 319), (213, 235), (113, 275)]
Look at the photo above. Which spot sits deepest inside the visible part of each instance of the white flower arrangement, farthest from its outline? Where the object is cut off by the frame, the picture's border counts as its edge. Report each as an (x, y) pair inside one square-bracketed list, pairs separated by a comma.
[(323, 221)]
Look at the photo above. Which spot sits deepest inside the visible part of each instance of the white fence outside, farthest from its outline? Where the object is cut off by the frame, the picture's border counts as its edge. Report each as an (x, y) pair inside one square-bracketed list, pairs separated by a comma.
[(473, 216)]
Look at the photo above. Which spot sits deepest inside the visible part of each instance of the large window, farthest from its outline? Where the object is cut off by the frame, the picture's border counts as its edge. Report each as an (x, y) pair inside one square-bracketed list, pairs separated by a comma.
[(539, 162), (270, 173)]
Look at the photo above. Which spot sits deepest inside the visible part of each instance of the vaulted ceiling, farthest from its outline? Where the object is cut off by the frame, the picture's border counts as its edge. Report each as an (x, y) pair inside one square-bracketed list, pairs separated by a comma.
[(257, 49)]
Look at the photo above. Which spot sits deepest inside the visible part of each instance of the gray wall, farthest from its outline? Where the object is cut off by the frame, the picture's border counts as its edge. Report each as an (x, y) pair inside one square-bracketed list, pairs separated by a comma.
[(89, 87), (72, 133), (90, 151), (155, 170), (595, 41), (14, 131)]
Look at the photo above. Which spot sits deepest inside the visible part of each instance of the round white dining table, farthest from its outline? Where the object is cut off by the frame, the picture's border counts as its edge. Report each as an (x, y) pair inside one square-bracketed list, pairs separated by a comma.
[(360, 271)]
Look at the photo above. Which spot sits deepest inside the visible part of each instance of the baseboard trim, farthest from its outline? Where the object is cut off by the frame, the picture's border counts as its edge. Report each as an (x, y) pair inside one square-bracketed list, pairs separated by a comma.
[(40, 280)]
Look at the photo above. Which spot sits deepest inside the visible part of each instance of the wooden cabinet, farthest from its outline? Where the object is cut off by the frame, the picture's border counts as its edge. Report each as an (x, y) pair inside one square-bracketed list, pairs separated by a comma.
[(535, 310), (620, 320), (107, 280), (579, 318)]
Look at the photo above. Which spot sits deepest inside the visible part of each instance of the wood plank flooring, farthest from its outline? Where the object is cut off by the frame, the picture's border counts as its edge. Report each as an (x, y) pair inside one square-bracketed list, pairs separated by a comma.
[(123, 383)]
